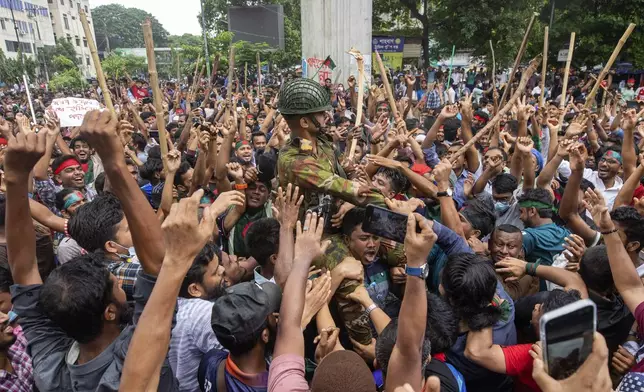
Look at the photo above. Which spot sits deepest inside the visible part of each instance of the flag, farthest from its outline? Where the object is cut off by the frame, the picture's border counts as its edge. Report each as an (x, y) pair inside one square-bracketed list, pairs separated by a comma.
[(329, 63)]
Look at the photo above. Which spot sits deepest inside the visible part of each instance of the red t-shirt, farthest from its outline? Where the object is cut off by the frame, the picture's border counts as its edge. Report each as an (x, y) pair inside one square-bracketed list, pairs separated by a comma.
[(639, 193), (138, 92), (518, 363)]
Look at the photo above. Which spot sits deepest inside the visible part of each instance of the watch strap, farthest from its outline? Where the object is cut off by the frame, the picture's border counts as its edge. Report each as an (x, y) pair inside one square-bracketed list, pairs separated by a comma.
[(442, 194), (416, 271)]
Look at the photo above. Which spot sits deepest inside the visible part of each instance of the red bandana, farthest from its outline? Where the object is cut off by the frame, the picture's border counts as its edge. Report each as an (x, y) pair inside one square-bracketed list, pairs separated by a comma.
[(66, 164)]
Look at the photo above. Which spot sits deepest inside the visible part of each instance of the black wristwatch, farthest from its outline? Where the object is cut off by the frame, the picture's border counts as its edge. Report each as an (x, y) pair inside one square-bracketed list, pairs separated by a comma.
[(447, 193)]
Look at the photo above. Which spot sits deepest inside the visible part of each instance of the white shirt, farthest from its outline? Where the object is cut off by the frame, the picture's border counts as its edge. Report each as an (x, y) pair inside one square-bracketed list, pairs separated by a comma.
[(609, 193)]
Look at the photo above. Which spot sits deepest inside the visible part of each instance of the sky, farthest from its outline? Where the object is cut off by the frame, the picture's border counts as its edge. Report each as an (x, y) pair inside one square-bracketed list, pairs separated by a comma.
[(176, 19)]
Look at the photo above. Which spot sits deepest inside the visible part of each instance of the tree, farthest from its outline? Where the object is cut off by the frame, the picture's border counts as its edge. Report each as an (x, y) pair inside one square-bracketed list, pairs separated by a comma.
[(117, 64), (119, 27), (11, 70), (598, 25), (63, 48), (70, 79)]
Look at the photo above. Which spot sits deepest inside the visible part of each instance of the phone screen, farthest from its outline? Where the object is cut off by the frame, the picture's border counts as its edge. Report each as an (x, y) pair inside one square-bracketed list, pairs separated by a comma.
[(385, 223), (568, 340)]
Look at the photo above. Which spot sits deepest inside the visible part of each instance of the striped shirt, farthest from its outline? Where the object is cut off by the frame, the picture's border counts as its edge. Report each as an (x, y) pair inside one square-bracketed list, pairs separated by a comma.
[(192, 337)]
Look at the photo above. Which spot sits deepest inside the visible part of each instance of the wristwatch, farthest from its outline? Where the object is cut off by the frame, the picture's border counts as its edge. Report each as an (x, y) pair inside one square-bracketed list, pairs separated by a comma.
[(419, 272), (447, 193)]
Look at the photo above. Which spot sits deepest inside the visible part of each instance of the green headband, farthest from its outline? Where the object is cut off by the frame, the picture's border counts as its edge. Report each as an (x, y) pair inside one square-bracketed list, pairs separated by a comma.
[(536, 204)]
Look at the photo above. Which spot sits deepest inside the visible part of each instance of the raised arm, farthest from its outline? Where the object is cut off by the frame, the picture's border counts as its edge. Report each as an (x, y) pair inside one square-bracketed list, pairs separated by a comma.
[(307, 248), (288, 205), (449, 214), (40, 171), (560, 276), (625, 195), (625, 276), (21, 155), (467, 113), (628, 142), (45, 217), (223, 157), (184, 236), (524, 147), (99, 128), (405, 362), (550, 170), (172, 163), (569, 206)]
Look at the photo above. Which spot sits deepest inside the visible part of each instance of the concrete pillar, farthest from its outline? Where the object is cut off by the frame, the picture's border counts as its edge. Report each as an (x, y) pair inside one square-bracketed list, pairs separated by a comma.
[(332, 27)]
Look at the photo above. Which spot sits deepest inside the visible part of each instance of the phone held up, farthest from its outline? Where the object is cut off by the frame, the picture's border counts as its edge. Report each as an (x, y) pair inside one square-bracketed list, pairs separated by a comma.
[(567, 337), (386, 223)]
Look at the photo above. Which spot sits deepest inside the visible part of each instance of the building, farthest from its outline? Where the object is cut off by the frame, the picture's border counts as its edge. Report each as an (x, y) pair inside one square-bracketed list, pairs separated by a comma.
[(33, 29), (65, 19)]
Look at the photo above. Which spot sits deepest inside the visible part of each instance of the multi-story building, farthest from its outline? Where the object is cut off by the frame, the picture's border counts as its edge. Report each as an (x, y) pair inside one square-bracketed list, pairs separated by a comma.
[(32, 30), (65, 19)]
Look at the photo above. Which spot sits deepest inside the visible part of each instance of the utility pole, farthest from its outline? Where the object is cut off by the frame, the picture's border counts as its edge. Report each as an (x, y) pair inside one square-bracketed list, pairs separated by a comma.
[(205, 39), (15, 27)]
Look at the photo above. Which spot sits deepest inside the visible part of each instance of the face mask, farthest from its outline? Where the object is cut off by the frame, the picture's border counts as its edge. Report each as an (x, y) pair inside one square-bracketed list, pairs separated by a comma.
[(131, 252), (501, 207)]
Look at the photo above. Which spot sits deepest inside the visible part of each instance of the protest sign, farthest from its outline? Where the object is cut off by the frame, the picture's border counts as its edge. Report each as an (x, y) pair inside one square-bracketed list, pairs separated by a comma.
[(71, 111)]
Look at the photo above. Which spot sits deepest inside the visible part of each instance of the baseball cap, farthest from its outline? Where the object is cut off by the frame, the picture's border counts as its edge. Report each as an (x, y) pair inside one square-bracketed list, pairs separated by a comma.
[(242, 312)]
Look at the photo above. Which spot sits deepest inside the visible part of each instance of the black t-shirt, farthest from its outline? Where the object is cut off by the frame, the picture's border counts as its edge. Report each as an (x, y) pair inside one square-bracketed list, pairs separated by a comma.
[(444, 373)]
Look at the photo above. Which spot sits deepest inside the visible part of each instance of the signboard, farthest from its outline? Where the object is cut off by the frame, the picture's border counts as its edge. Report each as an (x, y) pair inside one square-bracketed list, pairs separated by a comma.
[(71, 111), (387, 44), (562, 57), (389, 60)]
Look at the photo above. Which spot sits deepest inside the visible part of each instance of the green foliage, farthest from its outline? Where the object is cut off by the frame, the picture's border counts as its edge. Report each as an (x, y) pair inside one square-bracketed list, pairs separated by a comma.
[(598, 24), (62, 63), (11, 70), (70, 79), (116, 64), (63, 48), (122, 26)]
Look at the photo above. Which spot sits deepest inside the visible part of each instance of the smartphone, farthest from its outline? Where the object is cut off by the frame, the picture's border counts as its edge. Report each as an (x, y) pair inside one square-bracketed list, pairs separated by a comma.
[(146, 100), (567, 337), (632, 105), (385, 223)]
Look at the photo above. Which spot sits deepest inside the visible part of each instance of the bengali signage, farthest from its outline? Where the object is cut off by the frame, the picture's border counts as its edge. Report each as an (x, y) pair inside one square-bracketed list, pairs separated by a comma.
[(387, 44), (71, 111)]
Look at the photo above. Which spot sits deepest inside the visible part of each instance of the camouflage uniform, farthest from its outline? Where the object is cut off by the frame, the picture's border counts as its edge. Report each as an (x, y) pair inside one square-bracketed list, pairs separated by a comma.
[(354, 318)]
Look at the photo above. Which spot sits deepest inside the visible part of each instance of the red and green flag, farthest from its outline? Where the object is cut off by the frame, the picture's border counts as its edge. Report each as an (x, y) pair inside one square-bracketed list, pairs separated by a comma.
[(329, 63)]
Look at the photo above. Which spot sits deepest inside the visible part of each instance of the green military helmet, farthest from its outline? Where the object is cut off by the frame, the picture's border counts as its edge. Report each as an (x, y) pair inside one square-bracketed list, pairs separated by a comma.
[(303, 96)]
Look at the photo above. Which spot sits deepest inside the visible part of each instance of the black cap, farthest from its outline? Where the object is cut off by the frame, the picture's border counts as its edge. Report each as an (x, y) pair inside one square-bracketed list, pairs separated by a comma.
[(242, 312)]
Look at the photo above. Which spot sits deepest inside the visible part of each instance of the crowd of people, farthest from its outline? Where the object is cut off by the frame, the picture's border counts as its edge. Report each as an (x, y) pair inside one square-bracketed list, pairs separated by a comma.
[(235, 258)]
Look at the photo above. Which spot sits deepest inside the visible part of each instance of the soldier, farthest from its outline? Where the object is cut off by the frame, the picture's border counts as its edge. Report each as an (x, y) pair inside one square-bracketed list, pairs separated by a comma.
[(310, 162)]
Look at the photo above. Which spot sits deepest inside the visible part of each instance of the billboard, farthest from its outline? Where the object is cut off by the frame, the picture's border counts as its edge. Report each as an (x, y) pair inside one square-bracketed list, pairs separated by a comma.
[(264, 23), (390, 49)]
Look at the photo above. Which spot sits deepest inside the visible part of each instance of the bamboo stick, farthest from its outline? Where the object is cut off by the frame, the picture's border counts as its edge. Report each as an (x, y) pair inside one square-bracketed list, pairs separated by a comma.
[(156, 91), (259, 77), (544, 68), (517, 60), (360, 60), (385, 81), (231, 72), (97, 62), (591, 96), (493, 66), (497, 117), (245, 76), (571, 48), (215, 69)]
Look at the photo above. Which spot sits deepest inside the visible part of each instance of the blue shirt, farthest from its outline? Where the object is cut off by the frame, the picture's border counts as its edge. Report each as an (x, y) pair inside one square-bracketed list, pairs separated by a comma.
[(541, 244), (235, 381)]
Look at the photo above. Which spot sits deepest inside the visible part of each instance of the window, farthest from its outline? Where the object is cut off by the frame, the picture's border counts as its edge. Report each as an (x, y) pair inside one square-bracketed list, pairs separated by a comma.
[(12, 46), (84, 42), (86, 10), (50, 1), (71, 4), (73, 17), (66, 22), (69, 38), (87, 59), (78, 6), (77, 41), (2, 25), (62, 2), (55, 38)]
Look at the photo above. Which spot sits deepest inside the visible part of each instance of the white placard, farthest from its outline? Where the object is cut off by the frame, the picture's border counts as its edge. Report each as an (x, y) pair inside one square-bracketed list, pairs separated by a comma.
[(562, 56), (71, 111)]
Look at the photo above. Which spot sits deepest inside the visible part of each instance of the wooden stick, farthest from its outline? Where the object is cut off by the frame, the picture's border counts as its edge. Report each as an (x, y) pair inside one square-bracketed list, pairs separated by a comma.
[(156, 91), (231, 72), (215, 68), (591, 96), (385, 81), (544, 68), (517, 60), (497, 117), (360, 60), (564, 88), (178, 68), (259, 77), (245, 76), (97, 62), (493, 66)]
